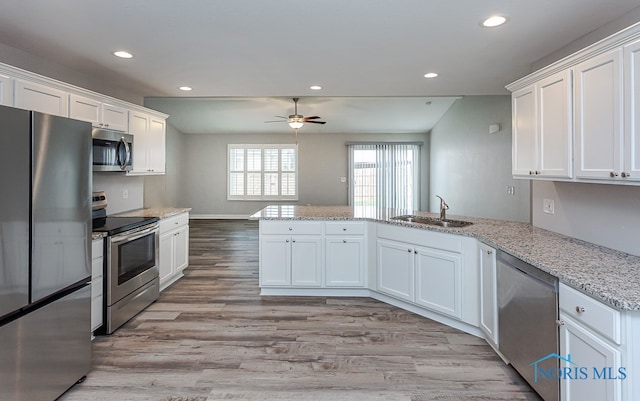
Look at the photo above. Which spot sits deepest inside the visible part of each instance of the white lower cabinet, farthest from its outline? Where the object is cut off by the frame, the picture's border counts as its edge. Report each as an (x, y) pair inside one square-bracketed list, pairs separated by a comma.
[(488, 293), (290, 260), (589, 336), (344, 258), (97, 283), (396, 269), (438, 278), (174, 248)]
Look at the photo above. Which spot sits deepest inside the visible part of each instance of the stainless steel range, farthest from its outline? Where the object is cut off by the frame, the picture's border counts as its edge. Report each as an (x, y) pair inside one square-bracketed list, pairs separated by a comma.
[(131, 266)]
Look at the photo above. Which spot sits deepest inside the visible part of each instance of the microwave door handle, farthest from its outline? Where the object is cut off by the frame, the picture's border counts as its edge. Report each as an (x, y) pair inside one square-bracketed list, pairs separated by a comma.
[(127, 238), (127, 151)]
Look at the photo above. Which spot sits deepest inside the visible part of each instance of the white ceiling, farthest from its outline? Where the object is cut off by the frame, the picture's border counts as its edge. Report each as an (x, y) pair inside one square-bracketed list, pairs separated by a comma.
[(278, 48)]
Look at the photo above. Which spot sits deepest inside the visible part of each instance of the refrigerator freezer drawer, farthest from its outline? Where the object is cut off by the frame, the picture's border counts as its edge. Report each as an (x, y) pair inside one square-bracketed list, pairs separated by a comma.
[(50, 349)]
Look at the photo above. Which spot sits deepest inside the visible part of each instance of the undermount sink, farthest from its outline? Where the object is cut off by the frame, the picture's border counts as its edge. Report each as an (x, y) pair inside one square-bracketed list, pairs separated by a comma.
[(432, 221)]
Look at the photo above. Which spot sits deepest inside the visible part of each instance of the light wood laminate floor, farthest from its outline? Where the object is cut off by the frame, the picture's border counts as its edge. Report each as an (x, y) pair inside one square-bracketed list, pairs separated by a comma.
[(211, 336)]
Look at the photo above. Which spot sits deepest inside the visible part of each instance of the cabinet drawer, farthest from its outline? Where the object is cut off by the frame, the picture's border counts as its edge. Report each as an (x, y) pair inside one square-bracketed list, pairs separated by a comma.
[(422, 237), (291, 227), (97, 248), (173, 222), (590, 312), (344, 228)]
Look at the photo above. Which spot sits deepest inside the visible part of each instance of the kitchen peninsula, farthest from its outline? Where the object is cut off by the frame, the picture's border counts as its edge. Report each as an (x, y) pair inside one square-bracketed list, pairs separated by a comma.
[(449, 275)]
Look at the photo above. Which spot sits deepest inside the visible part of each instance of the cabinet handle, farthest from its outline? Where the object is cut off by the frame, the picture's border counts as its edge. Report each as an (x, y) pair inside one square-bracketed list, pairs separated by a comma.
[(489, 252), (344, 229), (613, 174), (409, 250), (580, 309), (625, 175), (290, 229), (560, 322), (537, 172), (415, 251), (106, 125), (293, 240), (344, 241), (530, 172), (287, 241)]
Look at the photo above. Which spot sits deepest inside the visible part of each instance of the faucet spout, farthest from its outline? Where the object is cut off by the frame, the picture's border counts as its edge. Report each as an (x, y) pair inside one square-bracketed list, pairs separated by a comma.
[(443, 208)]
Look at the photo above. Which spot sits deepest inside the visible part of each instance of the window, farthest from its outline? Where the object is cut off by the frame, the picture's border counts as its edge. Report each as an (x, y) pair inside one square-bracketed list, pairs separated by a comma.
[(384, 175), (262, 172)]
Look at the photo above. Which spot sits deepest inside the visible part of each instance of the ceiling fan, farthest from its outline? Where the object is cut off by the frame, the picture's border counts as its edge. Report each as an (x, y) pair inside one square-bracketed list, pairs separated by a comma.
[(296, 120)]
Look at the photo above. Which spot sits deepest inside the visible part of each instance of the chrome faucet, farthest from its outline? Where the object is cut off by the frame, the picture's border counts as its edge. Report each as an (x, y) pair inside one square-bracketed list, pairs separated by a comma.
[(443, 208)]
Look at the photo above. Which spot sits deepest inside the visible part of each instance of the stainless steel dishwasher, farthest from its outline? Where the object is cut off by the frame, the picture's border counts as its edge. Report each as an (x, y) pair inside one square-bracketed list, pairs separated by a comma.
[(527, 328)]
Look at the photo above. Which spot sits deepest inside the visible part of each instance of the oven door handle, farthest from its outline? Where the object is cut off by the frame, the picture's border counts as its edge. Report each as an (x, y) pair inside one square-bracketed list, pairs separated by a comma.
[(132, 236)]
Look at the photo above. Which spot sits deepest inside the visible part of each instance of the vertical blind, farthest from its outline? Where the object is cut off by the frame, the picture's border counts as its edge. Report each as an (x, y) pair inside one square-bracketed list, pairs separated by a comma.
[(384, 175)]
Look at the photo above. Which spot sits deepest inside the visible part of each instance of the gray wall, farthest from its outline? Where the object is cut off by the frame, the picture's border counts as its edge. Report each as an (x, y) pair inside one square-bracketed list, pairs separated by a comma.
[(471, 168), (607, 215), (322, 161), (165, 190)]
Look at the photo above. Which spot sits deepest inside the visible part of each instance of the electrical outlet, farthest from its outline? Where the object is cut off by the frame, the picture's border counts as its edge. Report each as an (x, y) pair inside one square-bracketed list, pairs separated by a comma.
[(547, 206), (511, 190), (125, 194)]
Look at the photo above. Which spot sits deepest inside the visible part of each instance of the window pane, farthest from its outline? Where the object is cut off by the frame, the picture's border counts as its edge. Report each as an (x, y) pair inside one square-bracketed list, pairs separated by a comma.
[(236, 184), (254, 184), (288, 184), (236, 159), (254, 157), (288, 160), (271, 184), (271, 160)]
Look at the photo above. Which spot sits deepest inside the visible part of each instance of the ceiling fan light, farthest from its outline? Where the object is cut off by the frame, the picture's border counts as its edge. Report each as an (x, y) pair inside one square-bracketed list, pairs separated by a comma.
[(296, 124)]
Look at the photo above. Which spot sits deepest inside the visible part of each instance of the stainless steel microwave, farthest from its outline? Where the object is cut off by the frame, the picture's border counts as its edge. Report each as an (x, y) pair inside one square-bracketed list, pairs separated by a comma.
[(112, 150)]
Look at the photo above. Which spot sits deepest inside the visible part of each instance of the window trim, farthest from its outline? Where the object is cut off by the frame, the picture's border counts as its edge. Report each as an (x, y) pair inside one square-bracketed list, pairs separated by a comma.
[(262, 172)]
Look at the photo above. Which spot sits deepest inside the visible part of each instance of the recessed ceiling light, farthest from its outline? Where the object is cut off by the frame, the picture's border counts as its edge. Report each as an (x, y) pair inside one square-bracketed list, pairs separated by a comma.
[(315, 87), (430, 75), (494, 20), (122, 54), (185, 88)]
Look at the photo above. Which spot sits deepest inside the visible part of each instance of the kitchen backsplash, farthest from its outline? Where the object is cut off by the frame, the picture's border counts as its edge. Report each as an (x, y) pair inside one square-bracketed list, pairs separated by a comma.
[(123, 193)]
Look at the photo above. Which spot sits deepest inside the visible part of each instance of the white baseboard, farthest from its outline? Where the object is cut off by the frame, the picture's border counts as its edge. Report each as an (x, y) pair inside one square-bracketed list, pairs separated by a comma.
[(220, 216)]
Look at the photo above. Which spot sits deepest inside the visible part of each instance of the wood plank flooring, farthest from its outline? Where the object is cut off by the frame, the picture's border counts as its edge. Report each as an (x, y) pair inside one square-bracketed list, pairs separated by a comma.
[(212, 337)]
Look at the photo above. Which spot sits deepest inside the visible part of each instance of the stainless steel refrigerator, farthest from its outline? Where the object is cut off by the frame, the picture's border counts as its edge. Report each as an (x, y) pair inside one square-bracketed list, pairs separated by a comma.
[(45, 254)]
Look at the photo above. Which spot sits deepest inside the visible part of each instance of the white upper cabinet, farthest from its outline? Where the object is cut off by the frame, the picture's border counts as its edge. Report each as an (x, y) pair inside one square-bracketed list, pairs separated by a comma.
[(33, 96), (102, 115), (149, 143), (631, 164), (542, 142), (523, 103), (6, 90), (598, 116)]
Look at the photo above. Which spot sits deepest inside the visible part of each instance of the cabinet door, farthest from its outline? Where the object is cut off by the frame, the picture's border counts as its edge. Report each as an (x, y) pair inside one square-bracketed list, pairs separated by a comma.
[(438, 280), (166, 257), (588, 350), (554, 118), (32, 96), (488, 293), (523, 104), (115, 117), (181, 246), (139, 128), (6, 90), (306, 261), (631, 168), (344, 262), (395, 269), (598, 116), (156, 146), (275, 260), (85, 109)]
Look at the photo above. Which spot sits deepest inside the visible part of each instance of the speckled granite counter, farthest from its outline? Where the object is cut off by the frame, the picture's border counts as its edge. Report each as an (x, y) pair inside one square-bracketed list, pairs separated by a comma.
[(95, 236), (610, 276), (161, 212)]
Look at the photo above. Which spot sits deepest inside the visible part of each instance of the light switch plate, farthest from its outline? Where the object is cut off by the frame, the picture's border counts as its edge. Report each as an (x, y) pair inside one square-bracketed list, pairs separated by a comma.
[(547, 206)]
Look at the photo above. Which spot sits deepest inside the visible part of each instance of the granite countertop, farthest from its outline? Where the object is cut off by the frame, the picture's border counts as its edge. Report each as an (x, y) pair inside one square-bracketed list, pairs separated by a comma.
[(95, 236), (161, 212), (608, 275)]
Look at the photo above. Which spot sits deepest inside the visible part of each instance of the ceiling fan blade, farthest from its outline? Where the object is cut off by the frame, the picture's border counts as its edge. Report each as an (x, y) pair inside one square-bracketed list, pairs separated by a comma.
[(286, 118), (316, 122), (311, 118), (276, 121)]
